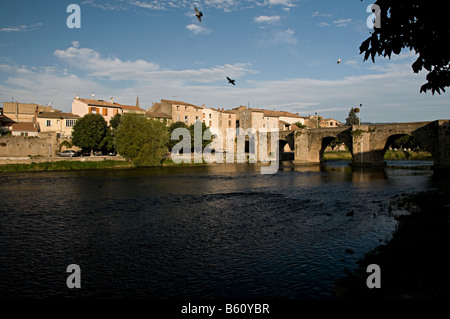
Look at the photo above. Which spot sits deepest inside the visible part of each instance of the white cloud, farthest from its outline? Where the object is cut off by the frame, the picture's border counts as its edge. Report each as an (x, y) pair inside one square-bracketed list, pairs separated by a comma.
[(21, 28), (320, 14), (276, 37), (154, 5), (323, 24), (196, 29), (267, 19), (342, 22)]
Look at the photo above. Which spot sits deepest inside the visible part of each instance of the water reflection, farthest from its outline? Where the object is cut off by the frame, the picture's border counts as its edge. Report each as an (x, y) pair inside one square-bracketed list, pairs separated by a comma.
[(218, 231)]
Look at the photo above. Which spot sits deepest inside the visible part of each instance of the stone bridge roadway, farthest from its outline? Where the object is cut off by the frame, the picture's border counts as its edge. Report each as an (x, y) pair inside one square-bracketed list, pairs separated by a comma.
[(368, 143)]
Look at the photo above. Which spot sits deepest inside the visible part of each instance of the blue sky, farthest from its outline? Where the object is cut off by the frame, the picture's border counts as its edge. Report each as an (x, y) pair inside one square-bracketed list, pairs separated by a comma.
[(282, 54)]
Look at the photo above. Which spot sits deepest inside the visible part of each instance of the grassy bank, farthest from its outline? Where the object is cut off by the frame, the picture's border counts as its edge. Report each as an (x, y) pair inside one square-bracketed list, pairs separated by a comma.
[(63, 166), (390, 155), (414, 263)]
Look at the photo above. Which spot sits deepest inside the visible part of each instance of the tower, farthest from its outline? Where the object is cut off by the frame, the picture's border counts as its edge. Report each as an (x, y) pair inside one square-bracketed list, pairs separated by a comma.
[(137, 101)]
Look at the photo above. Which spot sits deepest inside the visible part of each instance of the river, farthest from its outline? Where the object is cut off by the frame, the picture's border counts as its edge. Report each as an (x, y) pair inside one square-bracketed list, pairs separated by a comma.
[(220, 231)]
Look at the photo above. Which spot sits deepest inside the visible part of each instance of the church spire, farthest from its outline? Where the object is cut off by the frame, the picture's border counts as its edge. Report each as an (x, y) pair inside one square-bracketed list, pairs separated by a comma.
[(137, 101)]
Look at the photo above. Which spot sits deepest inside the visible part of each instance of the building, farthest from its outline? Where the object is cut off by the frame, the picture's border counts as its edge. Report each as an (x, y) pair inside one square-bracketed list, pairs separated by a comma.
[(56, 122), (23, 112), (155, 113), (108, 110), (265, 119), (24, 129), (178, 111), (332, 123)]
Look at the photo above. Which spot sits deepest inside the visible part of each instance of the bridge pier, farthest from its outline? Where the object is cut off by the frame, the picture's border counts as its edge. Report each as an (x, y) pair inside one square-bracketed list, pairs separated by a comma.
[(364, 152)]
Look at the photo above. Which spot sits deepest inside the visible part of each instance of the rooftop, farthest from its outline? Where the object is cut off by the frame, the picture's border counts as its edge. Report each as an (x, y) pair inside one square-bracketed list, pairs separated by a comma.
[(57, 115), (181, 103), (24, 126)]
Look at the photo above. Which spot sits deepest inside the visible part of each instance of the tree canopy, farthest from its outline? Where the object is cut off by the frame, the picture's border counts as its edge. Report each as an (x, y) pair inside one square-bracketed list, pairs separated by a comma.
[(89, 131), (141, 140), (421, 26), (352, 119)]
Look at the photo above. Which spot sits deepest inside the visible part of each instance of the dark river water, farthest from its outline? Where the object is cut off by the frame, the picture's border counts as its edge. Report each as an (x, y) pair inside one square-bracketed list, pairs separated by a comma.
[(222, 231)]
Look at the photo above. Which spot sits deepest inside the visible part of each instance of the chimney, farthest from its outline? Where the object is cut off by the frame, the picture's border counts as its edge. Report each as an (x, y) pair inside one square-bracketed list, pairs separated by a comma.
[(112, 100), (77, 97)]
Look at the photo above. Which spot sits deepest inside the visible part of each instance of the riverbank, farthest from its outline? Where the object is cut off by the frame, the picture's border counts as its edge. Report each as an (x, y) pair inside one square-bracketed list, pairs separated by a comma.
[(414, 263), (389, 155), (64, 165)]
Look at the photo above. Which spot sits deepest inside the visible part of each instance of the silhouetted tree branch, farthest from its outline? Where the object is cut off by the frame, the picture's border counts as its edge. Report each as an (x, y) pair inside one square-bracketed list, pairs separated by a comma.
[(422, 26)]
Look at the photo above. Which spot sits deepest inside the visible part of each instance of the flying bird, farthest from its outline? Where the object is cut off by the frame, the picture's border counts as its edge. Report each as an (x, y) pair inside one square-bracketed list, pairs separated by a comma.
[(198, 14), (339, 61), (230, 81)]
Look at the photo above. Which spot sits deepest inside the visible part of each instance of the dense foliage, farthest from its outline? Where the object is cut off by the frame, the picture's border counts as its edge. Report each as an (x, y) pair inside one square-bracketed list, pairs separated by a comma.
[(142, 141), (89, 131), (418, 25)]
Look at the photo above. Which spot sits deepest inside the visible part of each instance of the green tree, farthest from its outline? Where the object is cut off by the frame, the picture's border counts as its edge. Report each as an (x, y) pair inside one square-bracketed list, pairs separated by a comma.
[(89, 131), (171, 143), (205, 131), (115, 121), (142, 141), (418, 25), (300, 125), (108, 144), (352, 119)]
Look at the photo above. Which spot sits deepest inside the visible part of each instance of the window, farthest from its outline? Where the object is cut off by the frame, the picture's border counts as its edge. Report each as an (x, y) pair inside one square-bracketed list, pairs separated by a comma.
[(210, 123), (70, 122), (196, 118), (93, 110), (185, 109), (264, 125), (115, 111), (178, 108), (186, 118), (229, 123), (178, 117), (203, 115), (105, 111), (49, 122), (209, 115)]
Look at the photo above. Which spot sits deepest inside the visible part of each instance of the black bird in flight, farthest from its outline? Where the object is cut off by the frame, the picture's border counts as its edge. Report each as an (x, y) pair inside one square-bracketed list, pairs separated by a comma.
[(198, 14), (230, 81)]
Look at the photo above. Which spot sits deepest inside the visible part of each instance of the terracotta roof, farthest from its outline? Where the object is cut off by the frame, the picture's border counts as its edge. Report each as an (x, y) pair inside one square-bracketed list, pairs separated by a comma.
[(97, 102), (157, 115), (24, 126), (57, 115), (181, 103), (109, 104), (129, 107)]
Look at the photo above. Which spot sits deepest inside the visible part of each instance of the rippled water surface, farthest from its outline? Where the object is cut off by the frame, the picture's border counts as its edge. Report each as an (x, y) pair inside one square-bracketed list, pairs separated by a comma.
[(222, 231)]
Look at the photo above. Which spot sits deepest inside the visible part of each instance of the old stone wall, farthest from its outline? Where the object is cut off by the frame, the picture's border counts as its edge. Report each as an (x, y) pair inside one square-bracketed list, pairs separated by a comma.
[(17, 146)]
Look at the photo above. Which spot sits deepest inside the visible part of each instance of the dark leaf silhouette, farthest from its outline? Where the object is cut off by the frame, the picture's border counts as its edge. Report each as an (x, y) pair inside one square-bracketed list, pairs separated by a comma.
[(417, 25)]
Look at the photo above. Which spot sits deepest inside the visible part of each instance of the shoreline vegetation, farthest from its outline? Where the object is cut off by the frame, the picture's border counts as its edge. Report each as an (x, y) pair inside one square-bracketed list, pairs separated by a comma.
[(413, 263), (73, 164)]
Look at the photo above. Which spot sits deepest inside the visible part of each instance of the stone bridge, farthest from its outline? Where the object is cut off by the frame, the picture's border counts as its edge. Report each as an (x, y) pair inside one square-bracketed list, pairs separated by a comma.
[(368, 143)]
